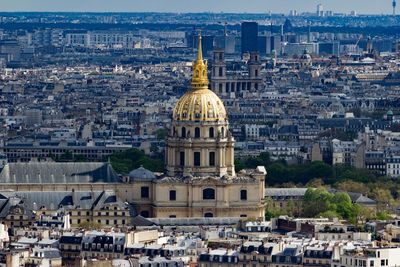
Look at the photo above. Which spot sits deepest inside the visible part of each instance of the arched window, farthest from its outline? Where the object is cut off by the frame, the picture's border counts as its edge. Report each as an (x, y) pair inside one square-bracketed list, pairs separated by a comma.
[(208, 215), (222, 132), (243, 194), (197, 132), (211, 132), (183, 132), (209, 193), (220, 72)]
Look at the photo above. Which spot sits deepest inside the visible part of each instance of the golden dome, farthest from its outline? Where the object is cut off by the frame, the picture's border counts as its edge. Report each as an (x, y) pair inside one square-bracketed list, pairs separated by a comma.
[(200, 103)]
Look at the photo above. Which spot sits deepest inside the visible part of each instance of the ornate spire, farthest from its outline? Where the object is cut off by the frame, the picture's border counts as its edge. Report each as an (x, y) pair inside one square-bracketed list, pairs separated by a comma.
[(199, 77), (199, 49)]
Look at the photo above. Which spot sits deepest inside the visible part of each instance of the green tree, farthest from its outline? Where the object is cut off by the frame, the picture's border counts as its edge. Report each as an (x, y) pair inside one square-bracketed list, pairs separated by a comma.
[(277, 174), (290, 208), (352, 186), (239, 165), (344, 206), (273, 213), (383, 215), (383, 196), (316, 201), (315, 183), (125, 161)]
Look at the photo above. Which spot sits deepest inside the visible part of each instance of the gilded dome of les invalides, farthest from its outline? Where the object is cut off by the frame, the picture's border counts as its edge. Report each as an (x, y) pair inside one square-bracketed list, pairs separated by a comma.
[(200, 103)]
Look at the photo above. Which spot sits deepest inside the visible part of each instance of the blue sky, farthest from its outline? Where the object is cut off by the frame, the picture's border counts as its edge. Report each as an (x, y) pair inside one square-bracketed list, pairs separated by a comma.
[(258, 6)]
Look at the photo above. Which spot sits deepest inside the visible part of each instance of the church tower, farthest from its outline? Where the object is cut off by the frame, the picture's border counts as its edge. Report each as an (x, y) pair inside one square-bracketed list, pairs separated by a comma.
[(199, 142)]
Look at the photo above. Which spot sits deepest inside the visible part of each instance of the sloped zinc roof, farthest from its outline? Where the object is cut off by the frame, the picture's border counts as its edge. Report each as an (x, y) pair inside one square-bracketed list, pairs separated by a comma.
[(58, 173)]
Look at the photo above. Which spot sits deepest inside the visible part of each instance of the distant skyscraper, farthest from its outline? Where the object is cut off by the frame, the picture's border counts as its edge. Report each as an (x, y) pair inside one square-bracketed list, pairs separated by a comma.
[(249, 37), (287, 27), (320, 10)]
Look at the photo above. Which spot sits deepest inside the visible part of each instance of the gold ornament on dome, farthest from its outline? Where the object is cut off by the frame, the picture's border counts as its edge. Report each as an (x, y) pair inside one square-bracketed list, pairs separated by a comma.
[(200, 103)]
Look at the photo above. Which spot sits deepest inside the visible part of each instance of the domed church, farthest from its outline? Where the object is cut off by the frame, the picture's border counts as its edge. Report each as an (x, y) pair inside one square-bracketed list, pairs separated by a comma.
[(200, 178)]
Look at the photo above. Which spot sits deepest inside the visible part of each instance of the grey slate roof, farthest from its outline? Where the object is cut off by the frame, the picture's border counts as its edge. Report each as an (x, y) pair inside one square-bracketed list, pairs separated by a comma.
[(12, 202), (357, 198), (141, 174), (141, 221), (282, 192), (58, 173), (34, 200), (361, 199), (49, 253)]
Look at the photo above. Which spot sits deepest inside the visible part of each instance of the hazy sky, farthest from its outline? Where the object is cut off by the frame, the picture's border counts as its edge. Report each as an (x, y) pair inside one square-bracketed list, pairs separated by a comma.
[(259, 6)]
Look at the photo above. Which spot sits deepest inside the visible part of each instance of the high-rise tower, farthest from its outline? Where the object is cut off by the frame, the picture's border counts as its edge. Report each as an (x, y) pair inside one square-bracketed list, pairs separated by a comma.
[(249, 37), (320, 10)]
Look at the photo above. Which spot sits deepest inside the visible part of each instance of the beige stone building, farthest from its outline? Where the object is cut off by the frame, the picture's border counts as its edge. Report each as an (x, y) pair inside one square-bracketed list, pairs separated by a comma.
[(199, 179)]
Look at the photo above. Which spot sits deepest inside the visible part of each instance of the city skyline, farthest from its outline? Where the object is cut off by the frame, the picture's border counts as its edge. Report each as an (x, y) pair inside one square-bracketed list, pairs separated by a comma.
[(235, 6)]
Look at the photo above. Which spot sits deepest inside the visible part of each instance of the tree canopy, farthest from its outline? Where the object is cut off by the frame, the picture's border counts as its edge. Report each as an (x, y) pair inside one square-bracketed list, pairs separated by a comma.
[(125, 161), (321, 203)]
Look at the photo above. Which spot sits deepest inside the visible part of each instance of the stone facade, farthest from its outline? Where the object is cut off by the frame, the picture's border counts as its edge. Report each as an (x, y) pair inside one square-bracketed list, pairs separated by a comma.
[(231, 85)]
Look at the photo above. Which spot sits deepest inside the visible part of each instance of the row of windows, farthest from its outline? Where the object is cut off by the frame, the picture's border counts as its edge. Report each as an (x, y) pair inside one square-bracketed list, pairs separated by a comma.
[(394, 166), (98, 246), (363, 263), (238, 87), (197, 159), (197, 132), (115, 213), (107, 222), (208, 193)]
